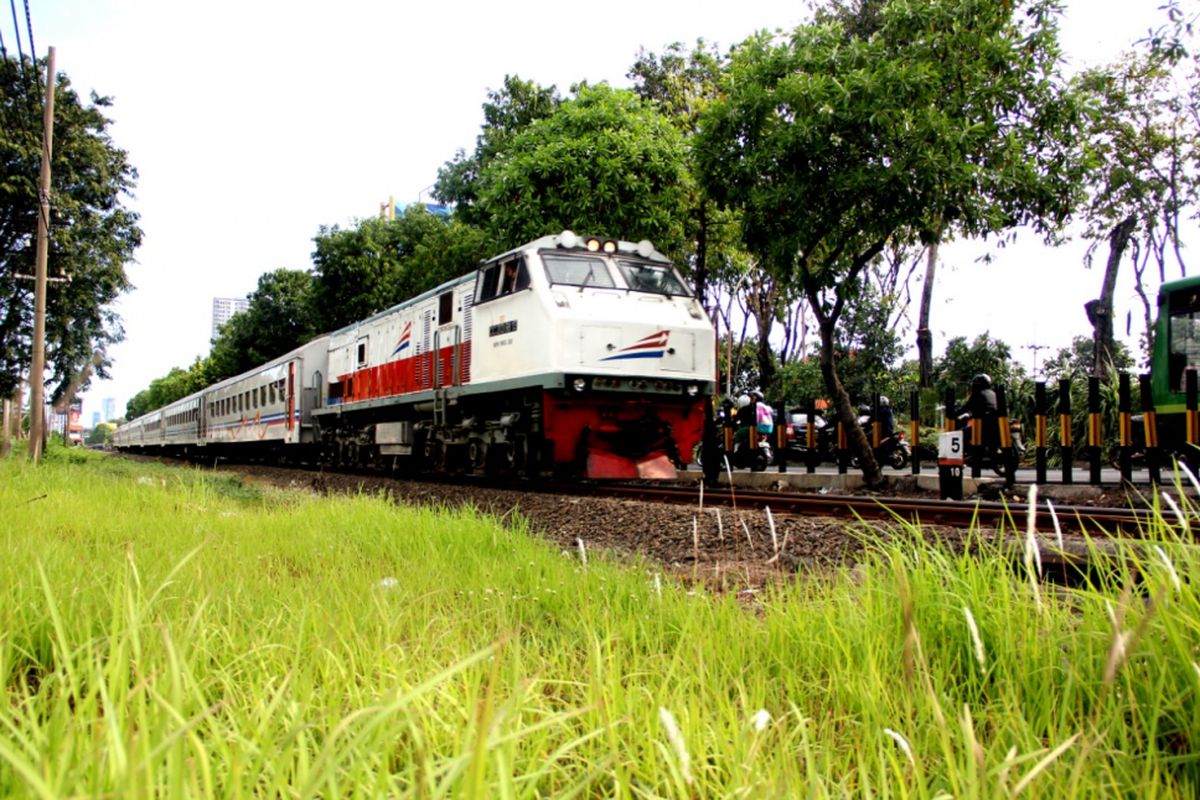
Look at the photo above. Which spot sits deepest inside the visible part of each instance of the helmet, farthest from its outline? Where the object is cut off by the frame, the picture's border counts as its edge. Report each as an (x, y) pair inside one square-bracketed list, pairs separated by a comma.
[(981, 381), (883, 401), (756, 394), (743, 401), (864, 410)]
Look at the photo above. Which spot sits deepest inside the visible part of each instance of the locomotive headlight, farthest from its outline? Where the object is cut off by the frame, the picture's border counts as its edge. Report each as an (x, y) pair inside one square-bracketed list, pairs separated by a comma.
[(593, 245), (579, 384), (693, 390), (610, 246)]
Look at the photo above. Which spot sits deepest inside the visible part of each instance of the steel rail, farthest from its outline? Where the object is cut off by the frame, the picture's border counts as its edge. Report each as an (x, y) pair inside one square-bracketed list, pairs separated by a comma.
[(1091, 519)]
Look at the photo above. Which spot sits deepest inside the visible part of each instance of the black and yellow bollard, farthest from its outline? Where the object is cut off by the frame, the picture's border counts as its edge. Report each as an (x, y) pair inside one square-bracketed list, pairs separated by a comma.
[(1040, 407), (1095, 432), (781, 426), (914, 429), (1193, 420), (1007, 452), (1125, 423), (1150, 421), (810, 440), (1065, 437)]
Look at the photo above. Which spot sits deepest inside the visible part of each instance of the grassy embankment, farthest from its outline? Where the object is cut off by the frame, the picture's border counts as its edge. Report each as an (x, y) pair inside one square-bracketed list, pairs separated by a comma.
[(171, 633)]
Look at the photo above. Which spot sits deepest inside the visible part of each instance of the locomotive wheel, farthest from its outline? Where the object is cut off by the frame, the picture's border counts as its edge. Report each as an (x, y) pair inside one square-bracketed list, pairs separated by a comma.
[(477, 453)]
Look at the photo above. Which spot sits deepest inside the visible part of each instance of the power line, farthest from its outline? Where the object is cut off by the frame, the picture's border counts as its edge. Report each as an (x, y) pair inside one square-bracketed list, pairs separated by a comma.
[(29, 26), (16, 28)]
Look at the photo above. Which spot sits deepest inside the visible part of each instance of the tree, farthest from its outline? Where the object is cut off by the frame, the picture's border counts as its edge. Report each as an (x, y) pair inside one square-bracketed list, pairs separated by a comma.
[(951, 116), (1079, 359), (507, 112), (377, 263), (92, 234), (279, 318), (962, 361), (101, 434), (603, 163), (175, 384), (1144, 144)]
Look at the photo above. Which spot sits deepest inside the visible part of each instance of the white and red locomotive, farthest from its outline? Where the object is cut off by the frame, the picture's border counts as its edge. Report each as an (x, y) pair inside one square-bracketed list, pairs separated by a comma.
[(570, 355)]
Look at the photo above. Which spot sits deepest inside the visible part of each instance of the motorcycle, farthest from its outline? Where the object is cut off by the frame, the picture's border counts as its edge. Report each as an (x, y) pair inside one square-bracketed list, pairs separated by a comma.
[(990, 455), (797, 442), (742, 457), (894, 450)]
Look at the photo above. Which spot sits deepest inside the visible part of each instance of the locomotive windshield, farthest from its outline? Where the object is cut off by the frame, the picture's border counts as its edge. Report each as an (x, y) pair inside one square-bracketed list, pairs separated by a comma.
[(659, 279), (1183, 336), (575, 271)]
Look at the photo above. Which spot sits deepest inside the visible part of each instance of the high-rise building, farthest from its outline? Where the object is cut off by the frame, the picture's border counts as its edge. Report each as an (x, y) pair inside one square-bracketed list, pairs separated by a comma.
[(108, 409), (224, 308)]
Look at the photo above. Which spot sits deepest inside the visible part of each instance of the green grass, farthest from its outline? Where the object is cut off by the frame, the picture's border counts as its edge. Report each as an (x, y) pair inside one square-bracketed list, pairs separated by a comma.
[(167, 632)]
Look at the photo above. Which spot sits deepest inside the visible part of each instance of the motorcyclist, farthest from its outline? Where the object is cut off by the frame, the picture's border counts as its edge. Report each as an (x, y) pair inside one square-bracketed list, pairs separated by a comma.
[(764, 417), (887, 420), (981, 403), (747, 418)]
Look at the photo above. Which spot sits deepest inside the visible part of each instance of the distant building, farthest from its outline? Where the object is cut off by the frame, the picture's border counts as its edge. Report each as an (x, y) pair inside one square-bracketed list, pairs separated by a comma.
[(95, 418), (108, 409), (224, 308)]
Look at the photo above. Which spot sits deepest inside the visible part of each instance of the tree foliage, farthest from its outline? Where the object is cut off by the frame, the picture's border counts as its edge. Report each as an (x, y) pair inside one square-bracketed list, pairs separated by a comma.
[(175, 384), (1144, 148), (1078, 360), (951, 115), (603, 163), (507, 112), (963, 360), (279, 318), (375, 264), (92, 233)]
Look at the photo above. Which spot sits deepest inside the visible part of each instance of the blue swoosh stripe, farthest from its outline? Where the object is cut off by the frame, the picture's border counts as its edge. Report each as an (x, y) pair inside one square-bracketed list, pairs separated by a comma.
[(644, 354)]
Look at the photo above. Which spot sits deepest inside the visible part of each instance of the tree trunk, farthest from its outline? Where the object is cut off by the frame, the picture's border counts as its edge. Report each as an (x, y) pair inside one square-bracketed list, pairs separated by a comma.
[(6, 429), (701, 271), (855, 436), (924, 335), (1100, 311)]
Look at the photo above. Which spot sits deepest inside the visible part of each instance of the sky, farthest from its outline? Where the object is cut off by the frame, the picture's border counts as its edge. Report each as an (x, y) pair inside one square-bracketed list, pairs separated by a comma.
[(254, 123)]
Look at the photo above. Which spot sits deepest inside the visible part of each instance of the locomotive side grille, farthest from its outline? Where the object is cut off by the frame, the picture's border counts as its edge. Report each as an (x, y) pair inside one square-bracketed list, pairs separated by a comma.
[(426, 363), (468, 317)]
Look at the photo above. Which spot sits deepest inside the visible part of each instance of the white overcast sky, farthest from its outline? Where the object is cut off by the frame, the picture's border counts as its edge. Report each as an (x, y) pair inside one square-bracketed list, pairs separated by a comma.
[(252, 123)]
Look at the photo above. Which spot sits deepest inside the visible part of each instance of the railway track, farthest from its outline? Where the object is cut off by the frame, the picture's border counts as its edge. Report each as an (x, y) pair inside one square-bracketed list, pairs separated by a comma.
[(1083, 519)]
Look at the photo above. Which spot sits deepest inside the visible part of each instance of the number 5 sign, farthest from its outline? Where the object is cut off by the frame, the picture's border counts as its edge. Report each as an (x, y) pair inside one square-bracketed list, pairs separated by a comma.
[(950, 449)]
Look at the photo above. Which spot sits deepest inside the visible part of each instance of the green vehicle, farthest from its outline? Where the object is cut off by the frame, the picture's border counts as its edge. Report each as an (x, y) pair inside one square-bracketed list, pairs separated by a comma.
[(1176, 352)]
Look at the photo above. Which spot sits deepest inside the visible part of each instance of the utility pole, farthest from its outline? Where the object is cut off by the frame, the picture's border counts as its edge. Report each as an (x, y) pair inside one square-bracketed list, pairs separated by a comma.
[(1035, 348), (37, 372)]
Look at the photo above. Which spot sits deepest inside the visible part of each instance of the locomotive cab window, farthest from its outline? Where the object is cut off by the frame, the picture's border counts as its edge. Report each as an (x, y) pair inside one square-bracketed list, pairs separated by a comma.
[(360, 352), (654, 278), (497, 280), (445, 308), (1184, 337), (576, 271)]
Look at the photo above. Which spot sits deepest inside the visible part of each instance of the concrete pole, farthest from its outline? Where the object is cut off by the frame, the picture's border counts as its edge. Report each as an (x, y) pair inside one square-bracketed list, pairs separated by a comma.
[(37, 372)]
